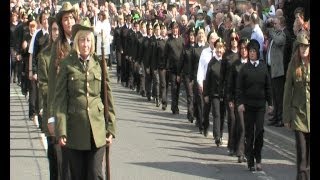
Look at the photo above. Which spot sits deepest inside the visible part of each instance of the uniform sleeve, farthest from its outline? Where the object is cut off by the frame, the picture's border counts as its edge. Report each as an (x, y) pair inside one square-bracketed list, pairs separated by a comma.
[(60, 101), (287, 95)]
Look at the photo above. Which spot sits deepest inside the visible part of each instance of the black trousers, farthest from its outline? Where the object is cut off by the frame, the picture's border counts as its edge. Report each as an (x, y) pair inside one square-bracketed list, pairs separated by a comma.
[(232, 113), (303, 155), (123, 69), (142, 73), (175, 90), (277, 90), (33, 98), (86, 164), (254, 120), (163, 76), (130, 73), (188, 84), (155, 83), (198, 106), (55, 159), (239, 132), (118, 57), (148, 82)]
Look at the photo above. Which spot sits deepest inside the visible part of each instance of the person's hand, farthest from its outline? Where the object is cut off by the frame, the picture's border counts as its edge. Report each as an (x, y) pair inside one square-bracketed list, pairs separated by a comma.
[(35, 77), (18, 57), (109, 139), (206, 99), (30, 75), (270, 109), (287, 125), (62, 141), (24, 44), (178, 78), (148, 70), (241, 108)]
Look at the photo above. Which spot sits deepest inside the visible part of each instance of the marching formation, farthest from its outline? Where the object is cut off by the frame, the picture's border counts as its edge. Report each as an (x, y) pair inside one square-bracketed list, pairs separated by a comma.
[(237, 62)]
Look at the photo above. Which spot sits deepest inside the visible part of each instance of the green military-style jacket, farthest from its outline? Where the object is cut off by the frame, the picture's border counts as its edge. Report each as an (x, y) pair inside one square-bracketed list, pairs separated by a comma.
[(44, 58), (296, 99), (52, 75), (78, 103)]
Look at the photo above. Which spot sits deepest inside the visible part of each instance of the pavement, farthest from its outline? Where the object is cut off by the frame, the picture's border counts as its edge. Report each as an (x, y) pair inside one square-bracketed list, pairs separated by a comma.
[(28, 159), (152, 144)]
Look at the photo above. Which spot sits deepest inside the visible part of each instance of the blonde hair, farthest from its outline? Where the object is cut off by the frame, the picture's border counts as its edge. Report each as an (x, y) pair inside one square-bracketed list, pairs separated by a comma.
[(83, 33)]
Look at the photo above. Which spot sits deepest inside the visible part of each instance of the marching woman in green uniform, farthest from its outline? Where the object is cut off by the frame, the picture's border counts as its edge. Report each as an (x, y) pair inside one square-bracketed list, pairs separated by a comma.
[(60, 49), (296, 103), (80, 123), (44, 57)]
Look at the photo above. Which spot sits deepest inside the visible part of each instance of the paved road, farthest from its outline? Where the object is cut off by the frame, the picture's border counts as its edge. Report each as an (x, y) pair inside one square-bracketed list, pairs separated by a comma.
[(154, 144)]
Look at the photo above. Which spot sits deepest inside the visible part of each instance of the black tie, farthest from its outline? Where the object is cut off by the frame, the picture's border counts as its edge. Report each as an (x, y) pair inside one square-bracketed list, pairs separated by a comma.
[(255, 64)]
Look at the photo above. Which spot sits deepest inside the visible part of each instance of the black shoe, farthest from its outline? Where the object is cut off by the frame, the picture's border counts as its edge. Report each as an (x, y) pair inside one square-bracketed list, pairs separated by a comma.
[(205, 132), (258, 167), (175, 112), (149, 98), (231, 153), (279, 124), (272, 119), (251, 168), (241, 159), (218, 142), (157, 102), (272, 123), (164, 106), (200, 131)]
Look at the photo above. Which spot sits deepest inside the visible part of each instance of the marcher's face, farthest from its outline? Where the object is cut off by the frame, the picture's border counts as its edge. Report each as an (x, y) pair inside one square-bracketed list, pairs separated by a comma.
[(137, 27), (243, 51), (67, 22), (85, 45), (201, 35), (44, 21), (149, 31), (157, 31), (219, 51), (304, 50), (253, 54), (32, 29), (143, 29), (192, 39), (175, 31), (234, 40), (55, 31), (163, 32)]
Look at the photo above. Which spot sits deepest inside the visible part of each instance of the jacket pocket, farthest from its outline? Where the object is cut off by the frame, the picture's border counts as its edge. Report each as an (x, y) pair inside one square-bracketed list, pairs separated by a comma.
[(97, 83), (72, 85)]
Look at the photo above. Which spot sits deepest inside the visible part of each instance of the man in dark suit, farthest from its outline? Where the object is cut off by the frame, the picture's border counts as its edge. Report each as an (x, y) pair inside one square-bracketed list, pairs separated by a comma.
[(173, 51)]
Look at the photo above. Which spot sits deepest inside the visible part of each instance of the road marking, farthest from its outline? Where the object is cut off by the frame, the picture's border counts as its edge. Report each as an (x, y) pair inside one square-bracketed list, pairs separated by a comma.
[(280, 135)]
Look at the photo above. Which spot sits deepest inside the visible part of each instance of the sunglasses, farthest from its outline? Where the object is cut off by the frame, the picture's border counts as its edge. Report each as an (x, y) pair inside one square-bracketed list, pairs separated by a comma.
[(234, 39)]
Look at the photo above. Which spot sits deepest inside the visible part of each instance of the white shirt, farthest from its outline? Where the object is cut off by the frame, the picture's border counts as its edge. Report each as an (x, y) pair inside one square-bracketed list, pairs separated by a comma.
[(106, 27), (243, 61), (257, 34), (30, 50), (205, 57), (252, 62)]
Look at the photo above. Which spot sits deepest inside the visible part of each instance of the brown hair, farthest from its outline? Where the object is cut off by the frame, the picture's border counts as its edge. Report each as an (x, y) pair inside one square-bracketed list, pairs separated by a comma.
[(297, 62)]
